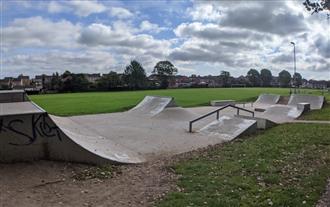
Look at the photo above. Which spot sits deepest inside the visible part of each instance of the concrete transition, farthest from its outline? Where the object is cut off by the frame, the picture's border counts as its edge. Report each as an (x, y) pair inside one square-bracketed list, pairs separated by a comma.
[(265, 100), (316, 102), (156, 127), (152, 105)]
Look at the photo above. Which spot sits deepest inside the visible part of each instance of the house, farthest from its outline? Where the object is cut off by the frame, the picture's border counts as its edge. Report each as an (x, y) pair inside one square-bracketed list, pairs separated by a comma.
[(42, 80), (92, 78), (16, 83)]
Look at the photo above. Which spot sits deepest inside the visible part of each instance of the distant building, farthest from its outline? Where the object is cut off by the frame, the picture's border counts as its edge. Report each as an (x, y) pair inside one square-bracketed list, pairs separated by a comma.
[(92, 78), (41, 81)]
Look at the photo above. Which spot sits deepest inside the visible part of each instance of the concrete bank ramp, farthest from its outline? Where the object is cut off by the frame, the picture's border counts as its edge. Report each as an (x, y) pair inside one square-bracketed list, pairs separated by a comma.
[(88, 139), (175, 114), (281, 113), (152, 105), (32, 134), (316, 102), (265, 100), (229, 127)]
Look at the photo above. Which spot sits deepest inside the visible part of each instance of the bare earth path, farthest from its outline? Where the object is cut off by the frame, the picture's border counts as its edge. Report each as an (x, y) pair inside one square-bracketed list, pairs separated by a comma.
[(47, 183)]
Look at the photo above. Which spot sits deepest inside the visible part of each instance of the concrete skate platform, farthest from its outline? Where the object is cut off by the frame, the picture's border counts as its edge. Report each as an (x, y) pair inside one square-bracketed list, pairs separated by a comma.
[(153, 129), (9, 96), (17, 108), (221, 102), (156, 127), (316, 102)]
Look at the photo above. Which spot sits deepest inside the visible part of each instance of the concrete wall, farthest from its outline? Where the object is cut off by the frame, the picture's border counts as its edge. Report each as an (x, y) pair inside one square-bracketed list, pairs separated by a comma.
[(13, 96), (35, 136)]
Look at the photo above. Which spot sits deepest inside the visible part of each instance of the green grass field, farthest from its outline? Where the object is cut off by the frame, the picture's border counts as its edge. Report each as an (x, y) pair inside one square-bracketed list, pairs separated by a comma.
[(321, 115), (287, 165), (104, 102)]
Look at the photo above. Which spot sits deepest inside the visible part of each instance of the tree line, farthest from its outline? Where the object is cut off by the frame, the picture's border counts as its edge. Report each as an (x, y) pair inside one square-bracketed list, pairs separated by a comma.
[(133, 78), (264, 78)]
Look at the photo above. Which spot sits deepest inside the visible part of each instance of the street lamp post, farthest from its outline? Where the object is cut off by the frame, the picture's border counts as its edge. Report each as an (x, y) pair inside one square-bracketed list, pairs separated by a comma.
[(294, 66)]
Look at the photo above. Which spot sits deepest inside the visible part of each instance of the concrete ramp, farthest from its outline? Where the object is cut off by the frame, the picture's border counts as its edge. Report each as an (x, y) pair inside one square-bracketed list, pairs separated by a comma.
[(29, 133), (228, 128), (176, 114), (152, 105), (281, 113), (265, 100), (89, 140), (316, 102)]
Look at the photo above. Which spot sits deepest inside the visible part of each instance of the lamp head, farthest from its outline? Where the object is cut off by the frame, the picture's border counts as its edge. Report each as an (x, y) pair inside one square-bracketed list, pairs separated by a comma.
[(293, 43)]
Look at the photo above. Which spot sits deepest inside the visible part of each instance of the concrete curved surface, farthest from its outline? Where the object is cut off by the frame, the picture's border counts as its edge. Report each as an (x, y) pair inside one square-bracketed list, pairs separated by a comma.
[(152, 105), (281, 113), (228, 127), (33, 136), (316, 102), (265, 100), (152, 129)]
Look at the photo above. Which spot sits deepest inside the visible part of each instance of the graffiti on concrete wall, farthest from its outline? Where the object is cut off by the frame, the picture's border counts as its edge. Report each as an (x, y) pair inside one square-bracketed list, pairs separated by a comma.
[(37, 126)]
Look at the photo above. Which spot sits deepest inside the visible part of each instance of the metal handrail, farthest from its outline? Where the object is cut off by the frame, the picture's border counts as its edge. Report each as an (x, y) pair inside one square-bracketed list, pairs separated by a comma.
[(217, 112)]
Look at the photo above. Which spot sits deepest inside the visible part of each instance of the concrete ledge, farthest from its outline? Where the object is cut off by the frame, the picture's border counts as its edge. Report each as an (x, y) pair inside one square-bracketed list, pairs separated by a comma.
[(304, 107), (261, 122), (221, 102), (259, 109)]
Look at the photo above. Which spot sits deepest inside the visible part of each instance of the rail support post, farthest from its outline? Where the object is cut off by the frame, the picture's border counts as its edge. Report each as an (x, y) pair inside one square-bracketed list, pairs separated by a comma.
[(190, 127)]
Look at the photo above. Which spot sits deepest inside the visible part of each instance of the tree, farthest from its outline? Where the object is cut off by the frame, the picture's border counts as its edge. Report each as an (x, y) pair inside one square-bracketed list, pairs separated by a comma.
[(74, 82), (254, 77), (266, 77), (109, 81), (55, 83), (67, 81), (224, 78), (297, 79), (284, 78), (135, 75), (317, 6), (165, 71), (79, 82)]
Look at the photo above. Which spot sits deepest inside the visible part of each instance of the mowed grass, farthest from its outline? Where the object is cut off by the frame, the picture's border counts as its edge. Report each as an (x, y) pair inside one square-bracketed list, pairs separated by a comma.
[(67, 104), (287, 165), (320, 115), (104, 102)]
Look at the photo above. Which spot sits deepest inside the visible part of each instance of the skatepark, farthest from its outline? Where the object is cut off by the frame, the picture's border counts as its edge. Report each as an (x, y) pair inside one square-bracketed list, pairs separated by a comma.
[(154, 128)]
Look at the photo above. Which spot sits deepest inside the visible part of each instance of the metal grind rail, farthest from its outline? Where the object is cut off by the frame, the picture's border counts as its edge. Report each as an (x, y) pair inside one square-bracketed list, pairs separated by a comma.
[(218, 112)]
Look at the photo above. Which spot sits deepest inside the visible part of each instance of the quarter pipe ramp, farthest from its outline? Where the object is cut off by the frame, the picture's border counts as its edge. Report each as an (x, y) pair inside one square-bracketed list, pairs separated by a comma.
[(316, 102)]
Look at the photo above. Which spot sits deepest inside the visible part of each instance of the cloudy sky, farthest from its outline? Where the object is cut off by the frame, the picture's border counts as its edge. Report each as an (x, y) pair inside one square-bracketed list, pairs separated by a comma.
[(199, 37)]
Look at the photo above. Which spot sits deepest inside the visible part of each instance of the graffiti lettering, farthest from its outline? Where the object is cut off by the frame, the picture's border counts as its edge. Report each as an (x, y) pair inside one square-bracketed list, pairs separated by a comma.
[(39, 127)]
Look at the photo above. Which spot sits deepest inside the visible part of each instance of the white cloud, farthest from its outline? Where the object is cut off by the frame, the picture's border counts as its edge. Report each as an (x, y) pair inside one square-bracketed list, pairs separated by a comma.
[(55, 7), (86, 7), (120, 13), (106, 36), (205, 11), (147, 26), (50, 62), (40, 32)]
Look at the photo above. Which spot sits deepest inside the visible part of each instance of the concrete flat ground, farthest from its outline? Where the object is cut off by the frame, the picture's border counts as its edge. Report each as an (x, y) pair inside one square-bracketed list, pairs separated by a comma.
[(151, 137)]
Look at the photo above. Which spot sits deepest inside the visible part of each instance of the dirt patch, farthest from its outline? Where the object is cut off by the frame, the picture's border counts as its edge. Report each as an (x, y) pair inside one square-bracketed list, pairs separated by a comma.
[(325, 199), (284, 100), (48, 183)]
